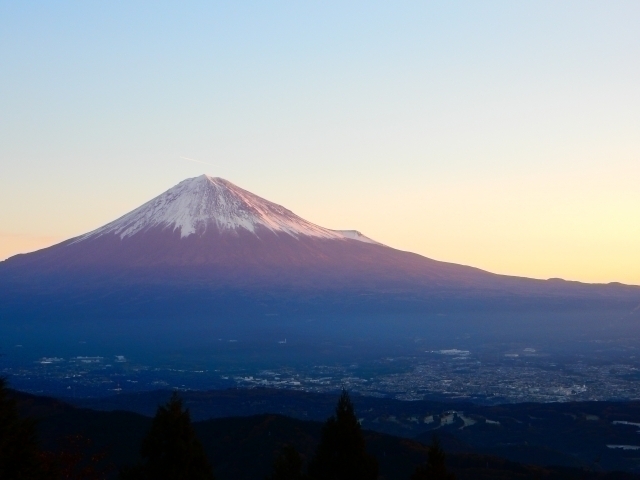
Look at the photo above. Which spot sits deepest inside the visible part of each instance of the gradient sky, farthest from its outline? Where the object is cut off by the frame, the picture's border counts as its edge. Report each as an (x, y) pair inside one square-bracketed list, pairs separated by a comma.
[(504, 135)]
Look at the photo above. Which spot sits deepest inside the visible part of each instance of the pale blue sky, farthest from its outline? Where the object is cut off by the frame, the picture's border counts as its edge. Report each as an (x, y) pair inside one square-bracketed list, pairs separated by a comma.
[(504, 135)]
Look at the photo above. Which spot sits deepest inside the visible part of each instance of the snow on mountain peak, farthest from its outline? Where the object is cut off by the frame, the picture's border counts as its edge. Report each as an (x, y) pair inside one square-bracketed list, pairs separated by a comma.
[(198, 204)]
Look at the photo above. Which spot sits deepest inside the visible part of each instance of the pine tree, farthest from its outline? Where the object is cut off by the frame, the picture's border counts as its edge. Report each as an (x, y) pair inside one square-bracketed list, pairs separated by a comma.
[(171, 450), (19, 454), (341, 454), (288, 465), (435, 468)]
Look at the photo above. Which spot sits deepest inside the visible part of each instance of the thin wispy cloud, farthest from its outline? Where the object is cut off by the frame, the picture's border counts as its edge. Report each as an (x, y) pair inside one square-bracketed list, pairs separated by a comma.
[(197, 161)]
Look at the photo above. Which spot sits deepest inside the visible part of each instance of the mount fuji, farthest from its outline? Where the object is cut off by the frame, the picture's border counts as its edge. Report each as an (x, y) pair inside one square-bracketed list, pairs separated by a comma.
[(198, 205), (207, 244)]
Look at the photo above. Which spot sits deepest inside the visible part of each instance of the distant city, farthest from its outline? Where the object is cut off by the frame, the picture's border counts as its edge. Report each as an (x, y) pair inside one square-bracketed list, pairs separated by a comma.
[(526, 375)]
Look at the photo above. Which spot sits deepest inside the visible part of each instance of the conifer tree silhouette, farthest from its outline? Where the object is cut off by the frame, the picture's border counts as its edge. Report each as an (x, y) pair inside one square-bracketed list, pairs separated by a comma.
[(341, 454), (171, 450), (288, 465), (435, 468)]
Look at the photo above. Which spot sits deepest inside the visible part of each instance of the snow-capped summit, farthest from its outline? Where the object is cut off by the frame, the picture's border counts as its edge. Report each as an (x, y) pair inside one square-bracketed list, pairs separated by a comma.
[(206, 222), (206, 204)]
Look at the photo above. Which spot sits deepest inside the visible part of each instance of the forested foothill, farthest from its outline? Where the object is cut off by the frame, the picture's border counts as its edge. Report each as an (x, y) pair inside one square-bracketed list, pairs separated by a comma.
[(569, 434), (45, 438)]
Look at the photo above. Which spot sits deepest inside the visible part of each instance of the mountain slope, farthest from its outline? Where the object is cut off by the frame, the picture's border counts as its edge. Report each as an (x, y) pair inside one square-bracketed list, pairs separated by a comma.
[(206, 242)]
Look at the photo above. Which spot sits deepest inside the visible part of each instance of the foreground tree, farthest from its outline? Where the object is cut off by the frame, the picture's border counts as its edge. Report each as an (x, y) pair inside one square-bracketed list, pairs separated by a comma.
[(76, 459), (435, 468), (20, 457), (171, 450), (341, 454), (288, 465)]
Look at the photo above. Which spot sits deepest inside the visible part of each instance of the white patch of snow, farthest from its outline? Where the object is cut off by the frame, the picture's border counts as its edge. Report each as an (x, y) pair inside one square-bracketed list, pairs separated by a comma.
[(197, 204), (356, 235)]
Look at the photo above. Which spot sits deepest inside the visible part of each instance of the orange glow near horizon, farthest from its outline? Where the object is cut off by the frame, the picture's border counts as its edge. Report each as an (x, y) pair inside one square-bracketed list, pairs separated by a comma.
[(575, 226), (13, 244)]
